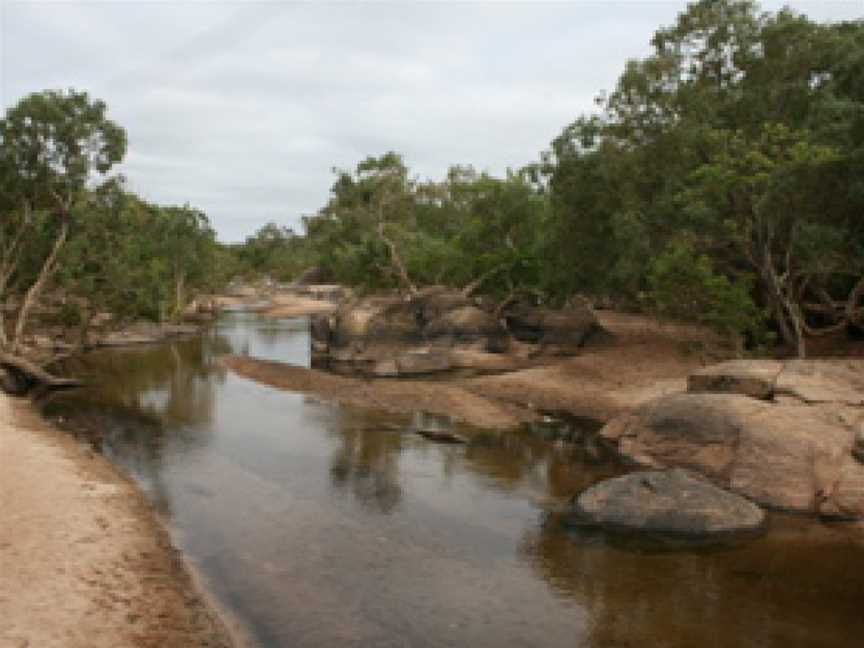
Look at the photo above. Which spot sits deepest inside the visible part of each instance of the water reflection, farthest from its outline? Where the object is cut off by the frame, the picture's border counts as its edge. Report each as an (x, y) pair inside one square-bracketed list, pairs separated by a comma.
[(791, 588), (331, 526), (366, 459)]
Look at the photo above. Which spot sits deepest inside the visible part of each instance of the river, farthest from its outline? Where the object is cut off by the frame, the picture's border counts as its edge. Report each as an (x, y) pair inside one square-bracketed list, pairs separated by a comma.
[(320, 525)]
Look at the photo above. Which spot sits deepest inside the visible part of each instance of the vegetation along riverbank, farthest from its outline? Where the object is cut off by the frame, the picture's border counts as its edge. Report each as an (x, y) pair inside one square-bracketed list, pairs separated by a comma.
[(682, 271)]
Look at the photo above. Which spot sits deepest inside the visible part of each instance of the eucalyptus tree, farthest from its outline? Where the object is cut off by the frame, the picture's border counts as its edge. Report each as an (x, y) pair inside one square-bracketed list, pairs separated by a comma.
[(52, 143), (739, 138)]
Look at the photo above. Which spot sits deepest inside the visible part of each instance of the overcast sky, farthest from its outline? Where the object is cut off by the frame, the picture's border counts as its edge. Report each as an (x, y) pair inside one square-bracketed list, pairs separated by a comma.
[(242, 108)]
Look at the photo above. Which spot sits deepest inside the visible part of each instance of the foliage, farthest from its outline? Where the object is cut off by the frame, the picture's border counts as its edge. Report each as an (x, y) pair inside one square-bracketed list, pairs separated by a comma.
[(104, 247), (721, 180), (740, 134), (684, 285)]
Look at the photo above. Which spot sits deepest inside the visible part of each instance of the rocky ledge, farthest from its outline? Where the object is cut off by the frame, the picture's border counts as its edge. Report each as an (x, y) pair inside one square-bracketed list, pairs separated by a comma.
[(439, 329), (786, 435)]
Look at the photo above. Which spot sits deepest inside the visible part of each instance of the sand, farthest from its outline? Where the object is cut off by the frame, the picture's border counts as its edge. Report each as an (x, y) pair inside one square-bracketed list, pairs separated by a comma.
[(84, 563)]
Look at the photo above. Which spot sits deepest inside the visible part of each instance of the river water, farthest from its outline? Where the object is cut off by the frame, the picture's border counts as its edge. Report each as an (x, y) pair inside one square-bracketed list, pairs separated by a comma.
[(321, 525)]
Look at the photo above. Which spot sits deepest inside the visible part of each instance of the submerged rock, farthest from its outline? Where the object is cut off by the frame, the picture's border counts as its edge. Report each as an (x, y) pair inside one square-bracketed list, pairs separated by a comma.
[(666, 502)]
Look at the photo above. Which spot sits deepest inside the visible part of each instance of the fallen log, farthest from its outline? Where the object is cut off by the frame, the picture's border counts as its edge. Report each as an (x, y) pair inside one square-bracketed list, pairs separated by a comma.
[(20, 376)]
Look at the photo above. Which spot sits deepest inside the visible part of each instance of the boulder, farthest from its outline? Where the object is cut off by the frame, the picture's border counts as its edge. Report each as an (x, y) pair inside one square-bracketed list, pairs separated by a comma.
[(565, 330), (361, 321), (10, 383), (754, 378), (433, 302), (838, 382), (320, 326), (669, 502), (468, 324), (785, 455)]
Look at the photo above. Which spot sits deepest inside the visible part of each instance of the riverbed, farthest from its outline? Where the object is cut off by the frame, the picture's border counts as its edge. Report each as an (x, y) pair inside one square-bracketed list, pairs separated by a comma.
[(323, 525)]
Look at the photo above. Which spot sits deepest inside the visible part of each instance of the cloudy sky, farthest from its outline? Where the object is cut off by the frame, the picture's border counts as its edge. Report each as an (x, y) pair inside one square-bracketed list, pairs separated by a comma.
[(243, 108)]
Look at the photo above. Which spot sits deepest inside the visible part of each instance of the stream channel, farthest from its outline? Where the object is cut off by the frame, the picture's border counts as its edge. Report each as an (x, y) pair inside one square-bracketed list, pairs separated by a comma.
[(321, 525)]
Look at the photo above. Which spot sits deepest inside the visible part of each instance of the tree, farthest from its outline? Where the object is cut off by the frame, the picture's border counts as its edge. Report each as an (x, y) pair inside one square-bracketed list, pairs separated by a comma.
[(742, 136), (758, 202), (51, 144)]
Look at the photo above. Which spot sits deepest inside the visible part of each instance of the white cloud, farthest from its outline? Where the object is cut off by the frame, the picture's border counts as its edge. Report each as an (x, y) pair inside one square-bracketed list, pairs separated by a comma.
[(243, 108)]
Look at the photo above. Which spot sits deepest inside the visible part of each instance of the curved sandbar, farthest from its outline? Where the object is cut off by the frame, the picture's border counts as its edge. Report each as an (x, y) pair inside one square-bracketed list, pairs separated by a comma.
[(84, 563)]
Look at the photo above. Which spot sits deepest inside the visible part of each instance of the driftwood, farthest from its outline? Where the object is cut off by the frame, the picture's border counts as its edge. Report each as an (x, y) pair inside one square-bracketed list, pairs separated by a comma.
[(21, 376)]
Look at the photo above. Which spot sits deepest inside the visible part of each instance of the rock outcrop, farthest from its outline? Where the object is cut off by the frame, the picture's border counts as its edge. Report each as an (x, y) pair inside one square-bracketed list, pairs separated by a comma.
[(669, 502), (786, 435), (559, 331), (436, 330)]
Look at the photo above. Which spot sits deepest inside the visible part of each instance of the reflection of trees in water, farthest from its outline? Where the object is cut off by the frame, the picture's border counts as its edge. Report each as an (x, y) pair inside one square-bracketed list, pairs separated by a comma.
[(270, 335), (173, 381), (366, 461), (769, 593), (524, 459), (139, 400)]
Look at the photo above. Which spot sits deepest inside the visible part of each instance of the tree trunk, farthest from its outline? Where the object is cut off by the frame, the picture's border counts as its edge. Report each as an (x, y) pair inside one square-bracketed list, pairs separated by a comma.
[(179, 295), (9, 256), (396, 260), (35, 290), (786, 312)]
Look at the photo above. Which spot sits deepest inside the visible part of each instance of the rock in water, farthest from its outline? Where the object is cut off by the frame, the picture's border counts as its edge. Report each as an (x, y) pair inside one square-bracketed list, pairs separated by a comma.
[(668, 502), (795, 451)]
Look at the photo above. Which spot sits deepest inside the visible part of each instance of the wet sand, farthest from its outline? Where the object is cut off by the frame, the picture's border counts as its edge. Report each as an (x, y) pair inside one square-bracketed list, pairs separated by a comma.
[(83, 560)]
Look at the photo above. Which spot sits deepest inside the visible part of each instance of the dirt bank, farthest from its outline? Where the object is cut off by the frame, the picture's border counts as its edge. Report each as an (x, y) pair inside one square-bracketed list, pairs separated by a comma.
[(393, 395), (83, 561), (638, 360)]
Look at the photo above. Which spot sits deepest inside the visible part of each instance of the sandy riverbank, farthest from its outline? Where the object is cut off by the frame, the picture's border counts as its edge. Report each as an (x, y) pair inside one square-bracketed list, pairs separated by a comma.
[(84, 563)]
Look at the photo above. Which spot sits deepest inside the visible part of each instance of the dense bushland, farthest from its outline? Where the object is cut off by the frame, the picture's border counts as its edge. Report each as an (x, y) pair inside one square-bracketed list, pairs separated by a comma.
[(721, 180)]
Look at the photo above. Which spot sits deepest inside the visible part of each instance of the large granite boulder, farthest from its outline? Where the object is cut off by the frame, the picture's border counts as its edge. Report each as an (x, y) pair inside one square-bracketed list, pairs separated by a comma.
[(394, 335), (467, 325), (373, 319), (562, 331), (796, 451), (405, 336), (433, 302), (669, 502)]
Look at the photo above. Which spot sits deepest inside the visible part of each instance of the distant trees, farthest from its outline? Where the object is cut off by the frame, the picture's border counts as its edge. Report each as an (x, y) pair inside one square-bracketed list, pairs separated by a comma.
[(274, 251), (384, 228), (722, 180)]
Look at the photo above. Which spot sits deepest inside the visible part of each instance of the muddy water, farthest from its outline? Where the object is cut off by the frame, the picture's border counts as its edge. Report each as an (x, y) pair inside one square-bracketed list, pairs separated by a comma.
[(328, 526)]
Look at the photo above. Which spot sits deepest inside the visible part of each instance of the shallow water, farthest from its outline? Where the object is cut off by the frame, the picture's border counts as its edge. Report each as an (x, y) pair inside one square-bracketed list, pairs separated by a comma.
[(330, 526)]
